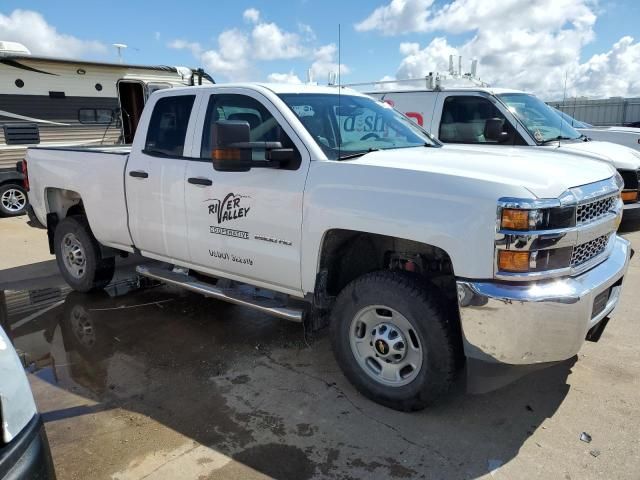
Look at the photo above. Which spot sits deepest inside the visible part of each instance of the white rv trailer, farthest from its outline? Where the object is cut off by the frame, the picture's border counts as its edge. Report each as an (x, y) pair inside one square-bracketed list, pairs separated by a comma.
[(61, 102)]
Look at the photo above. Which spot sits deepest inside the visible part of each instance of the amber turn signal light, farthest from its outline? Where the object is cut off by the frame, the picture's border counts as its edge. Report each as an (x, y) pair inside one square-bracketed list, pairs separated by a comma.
[(509, 261), (226, 154), (513, 219), (631, 196)]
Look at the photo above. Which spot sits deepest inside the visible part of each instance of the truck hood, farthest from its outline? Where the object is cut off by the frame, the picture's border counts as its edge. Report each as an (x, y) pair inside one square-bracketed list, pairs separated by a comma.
[(544, 174), (619, 156)]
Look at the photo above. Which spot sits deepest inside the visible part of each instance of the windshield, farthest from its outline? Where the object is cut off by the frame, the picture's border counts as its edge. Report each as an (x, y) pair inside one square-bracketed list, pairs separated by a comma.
[(572, 121), (345, 126), (539, 118)]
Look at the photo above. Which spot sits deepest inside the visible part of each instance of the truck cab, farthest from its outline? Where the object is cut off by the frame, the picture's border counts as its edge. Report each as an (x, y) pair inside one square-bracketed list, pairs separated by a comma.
[(497, 117)]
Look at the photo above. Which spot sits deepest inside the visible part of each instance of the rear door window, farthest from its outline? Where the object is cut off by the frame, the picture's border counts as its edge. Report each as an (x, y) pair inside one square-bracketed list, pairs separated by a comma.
[(168, 126)]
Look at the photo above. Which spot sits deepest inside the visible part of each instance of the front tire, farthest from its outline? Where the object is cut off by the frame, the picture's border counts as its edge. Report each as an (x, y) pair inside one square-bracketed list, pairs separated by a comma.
[(13, 200), (79, 258), (393, 340)]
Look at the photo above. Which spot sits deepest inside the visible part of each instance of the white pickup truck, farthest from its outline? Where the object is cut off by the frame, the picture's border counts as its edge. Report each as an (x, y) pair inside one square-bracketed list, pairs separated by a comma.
[(488, 118), (422, 259)]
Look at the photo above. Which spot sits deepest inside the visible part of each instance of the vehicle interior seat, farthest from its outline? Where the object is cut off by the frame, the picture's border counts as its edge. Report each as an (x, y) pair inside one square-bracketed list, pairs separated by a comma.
[(316, 127)]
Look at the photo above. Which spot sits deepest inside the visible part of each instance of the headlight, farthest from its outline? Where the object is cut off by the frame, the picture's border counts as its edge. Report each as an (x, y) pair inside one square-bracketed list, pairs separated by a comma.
[(537, 218), (630, 180), (545, 238)]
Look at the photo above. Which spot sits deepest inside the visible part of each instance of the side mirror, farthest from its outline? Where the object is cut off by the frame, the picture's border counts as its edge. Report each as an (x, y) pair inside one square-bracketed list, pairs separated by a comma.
[(493, 130), (233, 149), (226, 155)]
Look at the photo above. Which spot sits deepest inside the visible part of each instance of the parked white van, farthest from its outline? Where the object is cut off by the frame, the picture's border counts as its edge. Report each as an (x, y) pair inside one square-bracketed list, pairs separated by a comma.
[(503, 117)]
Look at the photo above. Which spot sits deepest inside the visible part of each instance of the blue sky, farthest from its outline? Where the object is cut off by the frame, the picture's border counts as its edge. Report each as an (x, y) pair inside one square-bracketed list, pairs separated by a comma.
[(369, 53)]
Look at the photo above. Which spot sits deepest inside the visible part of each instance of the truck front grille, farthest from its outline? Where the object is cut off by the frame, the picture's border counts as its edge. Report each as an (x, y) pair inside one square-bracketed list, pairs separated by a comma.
[(588, 212), (589, 250)]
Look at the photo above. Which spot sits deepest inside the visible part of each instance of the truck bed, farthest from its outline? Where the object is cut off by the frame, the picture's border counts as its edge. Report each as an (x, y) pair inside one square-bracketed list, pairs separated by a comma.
[(95, 174)]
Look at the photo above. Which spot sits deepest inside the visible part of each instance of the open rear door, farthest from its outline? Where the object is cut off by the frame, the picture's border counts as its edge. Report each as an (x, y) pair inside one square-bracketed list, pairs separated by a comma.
[(131, 95)]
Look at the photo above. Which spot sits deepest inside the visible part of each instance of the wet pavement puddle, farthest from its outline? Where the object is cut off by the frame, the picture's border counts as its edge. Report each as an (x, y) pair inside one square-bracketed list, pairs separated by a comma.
[(142, 378)]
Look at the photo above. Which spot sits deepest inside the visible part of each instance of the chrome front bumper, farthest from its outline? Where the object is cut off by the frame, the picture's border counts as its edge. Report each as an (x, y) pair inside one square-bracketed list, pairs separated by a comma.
[(543, 321)]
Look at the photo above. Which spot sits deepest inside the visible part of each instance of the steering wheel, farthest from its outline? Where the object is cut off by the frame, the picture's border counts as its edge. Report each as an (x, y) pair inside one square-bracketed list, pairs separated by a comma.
[(369, 135)]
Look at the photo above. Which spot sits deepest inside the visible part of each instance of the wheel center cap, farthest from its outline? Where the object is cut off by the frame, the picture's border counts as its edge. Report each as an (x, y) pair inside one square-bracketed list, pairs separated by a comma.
[(388, 343), (382, 347)]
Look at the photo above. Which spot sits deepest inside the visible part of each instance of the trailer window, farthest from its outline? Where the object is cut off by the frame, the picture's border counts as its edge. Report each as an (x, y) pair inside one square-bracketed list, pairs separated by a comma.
[(95, 115), (168, 126)]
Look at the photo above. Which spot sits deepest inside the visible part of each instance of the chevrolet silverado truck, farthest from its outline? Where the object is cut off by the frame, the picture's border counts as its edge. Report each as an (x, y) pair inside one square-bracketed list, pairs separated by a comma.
[(423, 260), (483, 117)]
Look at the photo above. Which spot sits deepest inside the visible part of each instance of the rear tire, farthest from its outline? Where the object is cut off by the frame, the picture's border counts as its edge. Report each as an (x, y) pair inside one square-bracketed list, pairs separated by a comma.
[(79, 258), (393, 340), (13, 200)]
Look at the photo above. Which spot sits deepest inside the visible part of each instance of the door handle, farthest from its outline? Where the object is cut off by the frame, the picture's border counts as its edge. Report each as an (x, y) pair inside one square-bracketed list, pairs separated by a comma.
[(199, 181), (138, 174)]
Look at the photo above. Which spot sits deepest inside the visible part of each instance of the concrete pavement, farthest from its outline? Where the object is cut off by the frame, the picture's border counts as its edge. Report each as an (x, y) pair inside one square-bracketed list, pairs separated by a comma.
[(145, 381)]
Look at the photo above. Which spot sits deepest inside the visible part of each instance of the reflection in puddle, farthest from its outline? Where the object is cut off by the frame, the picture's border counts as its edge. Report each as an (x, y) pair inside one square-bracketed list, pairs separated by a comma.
[(109, 343)]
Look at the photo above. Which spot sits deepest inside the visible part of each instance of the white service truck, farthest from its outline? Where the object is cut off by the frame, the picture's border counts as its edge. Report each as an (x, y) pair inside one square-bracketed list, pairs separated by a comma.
[(422, 259), (489, 117)]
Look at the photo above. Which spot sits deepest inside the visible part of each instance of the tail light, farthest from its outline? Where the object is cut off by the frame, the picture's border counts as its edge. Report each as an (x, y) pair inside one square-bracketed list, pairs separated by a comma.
[(25, 172)]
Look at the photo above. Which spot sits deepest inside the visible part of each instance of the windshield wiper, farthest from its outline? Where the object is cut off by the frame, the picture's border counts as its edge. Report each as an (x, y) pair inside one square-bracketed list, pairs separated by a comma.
[(357, 154), (360, 154), (559, 137)]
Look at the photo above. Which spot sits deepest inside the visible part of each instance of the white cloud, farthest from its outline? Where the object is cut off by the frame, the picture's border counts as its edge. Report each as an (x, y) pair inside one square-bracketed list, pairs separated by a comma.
[(251, 15), (238, 49), (179, 44), (616, 72), (519, 44), (270, 43), (230, 60), (400, 16), (325, 63), (307, 32), (284, 78), (32, 30)]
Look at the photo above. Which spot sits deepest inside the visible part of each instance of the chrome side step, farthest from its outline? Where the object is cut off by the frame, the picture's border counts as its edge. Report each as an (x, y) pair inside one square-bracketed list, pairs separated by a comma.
[(208, 290)]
